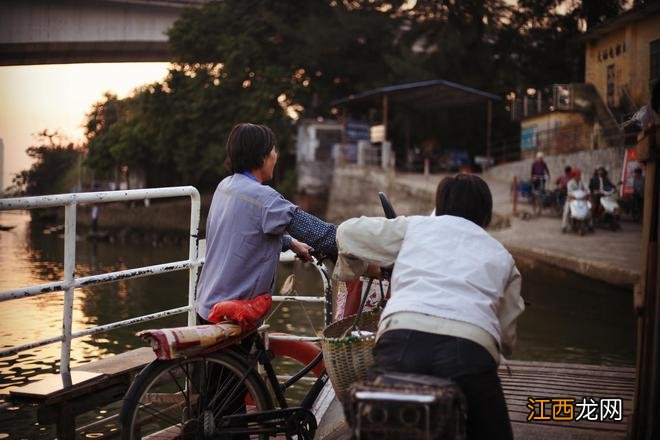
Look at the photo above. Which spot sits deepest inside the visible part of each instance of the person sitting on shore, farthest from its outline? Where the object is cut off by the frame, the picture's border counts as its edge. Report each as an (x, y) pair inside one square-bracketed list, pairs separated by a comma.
[(562, 181), (599, 185), (573, 185), (455, 296)]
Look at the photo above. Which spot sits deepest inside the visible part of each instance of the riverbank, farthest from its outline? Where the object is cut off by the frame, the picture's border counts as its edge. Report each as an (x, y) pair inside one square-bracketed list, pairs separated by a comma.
[(613, 257), (157, 222)]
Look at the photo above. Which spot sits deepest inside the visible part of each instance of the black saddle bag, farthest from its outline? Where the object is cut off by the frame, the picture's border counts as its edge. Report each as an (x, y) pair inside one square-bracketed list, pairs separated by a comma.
[(406, 406)]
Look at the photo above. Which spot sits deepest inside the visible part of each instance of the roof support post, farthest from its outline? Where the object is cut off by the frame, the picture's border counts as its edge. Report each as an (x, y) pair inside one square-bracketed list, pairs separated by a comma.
[(385, 110), (644, 422), (489, 128)]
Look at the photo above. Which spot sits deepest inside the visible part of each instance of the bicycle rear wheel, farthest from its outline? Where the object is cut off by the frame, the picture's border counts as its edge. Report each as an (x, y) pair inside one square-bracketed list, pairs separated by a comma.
[(188, 398)]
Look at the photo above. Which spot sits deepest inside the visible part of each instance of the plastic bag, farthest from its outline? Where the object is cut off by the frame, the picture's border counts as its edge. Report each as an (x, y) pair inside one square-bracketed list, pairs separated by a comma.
[(245, 312)]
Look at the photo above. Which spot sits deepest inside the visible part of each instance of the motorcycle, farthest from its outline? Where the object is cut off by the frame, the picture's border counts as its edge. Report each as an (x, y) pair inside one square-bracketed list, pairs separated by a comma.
[(609, 210), (579, 208)]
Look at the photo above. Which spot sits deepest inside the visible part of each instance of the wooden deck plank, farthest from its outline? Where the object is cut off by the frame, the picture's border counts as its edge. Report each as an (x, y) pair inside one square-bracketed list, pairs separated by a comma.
[(539, 390), (120, 363), (560, 380), (584, 370), (105, 371), (570, 381), (525, 431), (600, 426), (53, 384), (568, 373), (557, 380)]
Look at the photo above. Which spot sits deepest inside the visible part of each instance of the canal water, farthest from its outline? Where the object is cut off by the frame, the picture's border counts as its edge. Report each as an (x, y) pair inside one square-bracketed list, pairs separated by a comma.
[(568, 319)]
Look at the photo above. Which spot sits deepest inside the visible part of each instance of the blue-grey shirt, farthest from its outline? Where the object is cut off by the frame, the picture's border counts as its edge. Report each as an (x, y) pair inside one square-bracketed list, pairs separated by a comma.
[(244, 237)]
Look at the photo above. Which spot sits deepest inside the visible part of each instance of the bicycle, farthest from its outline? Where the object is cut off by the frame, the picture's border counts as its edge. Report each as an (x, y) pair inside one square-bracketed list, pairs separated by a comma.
[(219, 393), (538, 194)]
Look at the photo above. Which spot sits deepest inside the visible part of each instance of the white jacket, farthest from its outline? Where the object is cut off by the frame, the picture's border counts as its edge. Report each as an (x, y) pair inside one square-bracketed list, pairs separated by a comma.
[(446, 268)]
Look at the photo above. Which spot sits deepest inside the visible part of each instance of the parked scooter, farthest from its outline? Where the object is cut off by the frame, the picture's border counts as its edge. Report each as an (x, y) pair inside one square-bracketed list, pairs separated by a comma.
[(579, 209), (609, 210)]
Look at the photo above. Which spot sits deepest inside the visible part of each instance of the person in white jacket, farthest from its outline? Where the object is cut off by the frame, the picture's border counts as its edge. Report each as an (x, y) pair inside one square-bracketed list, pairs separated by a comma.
[(455, 296)]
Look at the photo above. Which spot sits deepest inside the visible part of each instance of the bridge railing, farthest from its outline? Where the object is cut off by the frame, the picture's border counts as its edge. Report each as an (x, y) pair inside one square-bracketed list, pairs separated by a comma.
[(71, 282)]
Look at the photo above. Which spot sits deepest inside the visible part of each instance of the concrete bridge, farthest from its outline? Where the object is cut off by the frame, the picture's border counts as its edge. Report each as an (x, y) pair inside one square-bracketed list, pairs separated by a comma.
[(89, 31)]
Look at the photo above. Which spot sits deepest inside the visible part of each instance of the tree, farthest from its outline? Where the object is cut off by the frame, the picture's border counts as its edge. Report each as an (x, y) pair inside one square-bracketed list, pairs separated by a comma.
[(264, 61), (54, 170), (273, 62)]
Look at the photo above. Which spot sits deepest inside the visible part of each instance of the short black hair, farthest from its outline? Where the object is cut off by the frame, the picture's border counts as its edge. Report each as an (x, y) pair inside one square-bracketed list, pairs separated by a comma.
[(467, 196), (567, 169), (247, 147)]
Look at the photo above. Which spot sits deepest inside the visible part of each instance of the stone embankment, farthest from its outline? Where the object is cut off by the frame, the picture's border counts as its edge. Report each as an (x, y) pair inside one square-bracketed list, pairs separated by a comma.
[(586, 161), (161, 221), (613, 257)]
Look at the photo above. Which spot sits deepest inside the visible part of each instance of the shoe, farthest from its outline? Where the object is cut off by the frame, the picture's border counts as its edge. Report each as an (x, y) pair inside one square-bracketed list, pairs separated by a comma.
[(564, 230)]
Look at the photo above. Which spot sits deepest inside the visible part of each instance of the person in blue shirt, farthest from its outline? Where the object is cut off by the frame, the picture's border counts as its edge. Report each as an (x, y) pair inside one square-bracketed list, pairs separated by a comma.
[(249, 224)]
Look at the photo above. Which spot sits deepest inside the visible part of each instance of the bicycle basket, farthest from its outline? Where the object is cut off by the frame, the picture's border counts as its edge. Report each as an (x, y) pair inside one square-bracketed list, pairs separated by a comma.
[(347, 357)]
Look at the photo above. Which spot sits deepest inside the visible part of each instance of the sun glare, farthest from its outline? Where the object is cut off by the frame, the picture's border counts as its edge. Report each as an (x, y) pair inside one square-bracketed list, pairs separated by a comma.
[(57, 98)]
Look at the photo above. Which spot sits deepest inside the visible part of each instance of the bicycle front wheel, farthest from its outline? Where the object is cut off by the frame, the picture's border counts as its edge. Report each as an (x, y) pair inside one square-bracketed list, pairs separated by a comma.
[(191, 398)]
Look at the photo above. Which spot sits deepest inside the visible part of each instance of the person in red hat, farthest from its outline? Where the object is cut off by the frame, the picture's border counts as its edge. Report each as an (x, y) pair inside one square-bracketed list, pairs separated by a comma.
[(573, 185)]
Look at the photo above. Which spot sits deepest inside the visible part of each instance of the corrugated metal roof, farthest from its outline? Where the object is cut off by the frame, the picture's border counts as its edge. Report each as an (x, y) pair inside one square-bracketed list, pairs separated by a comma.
[(423, 95)]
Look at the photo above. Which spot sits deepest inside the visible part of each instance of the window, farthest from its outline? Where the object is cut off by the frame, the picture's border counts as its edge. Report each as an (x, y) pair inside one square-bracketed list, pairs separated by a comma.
[(610, 85), (654, 60)]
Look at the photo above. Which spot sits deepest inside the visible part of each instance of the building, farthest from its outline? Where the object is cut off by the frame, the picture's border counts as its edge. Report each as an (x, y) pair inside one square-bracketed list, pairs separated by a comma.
[(2, 167), (315, 142), (622, 58), (622, 62)]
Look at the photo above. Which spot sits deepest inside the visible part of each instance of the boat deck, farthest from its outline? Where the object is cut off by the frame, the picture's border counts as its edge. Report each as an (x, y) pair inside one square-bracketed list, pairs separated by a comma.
[(543, 380), (107, 380)]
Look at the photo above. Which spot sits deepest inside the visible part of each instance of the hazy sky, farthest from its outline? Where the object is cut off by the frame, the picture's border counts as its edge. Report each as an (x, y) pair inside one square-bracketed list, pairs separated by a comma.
[(57, 97)]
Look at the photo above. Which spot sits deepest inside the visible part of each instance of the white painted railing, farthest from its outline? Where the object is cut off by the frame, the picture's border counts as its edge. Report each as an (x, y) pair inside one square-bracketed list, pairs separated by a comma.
[(70, 282)]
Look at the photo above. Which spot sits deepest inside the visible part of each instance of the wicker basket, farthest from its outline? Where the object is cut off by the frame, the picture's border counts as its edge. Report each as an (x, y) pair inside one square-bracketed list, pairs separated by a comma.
[(347, 358)]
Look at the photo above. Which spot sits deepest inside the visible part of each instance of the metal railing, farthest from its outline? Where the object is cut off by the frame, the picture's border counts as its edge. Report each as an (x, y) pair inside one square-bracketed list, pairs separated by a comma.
[(70, 282)]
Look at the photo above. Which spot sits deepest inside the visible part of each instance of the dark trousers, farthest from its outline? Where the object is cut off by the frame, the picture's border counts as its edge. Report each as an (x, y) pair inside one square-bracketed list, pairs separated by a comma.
[(465, 362)]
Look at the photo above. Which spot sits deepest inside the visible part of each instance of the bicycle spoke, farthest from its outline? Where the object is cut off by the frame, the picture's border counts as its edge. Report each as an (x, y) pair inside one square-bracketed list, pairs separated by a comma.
[(229, 400), (159, 414), (204, 388), (220, 389), (190, 380), (183, 393), (204, 384)]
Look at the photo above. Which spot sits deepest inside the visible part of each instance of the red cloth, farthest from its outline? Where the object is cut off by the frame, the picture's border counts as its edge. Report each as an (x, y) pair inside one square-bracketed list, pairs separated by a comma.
[(353, 297), (245, 312)]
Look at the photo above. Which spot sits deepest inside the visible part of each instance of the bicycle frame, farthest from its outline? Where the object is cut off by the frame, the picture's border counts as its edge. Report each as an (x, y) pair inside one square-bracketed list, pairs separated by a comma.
[(263, 358), (283, 417), (254, 360)]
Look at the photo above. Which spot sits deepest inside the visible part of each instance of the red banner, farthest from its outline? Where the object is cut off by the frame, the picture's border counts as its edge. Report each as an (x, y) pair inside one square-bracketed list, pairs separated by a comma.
[(629, 165)]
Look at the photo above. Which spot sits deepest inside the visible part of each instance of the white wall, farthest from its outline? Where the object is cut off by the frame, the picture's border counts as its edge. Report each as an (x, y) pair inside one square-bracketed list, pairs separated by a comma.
[(587, 161)]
